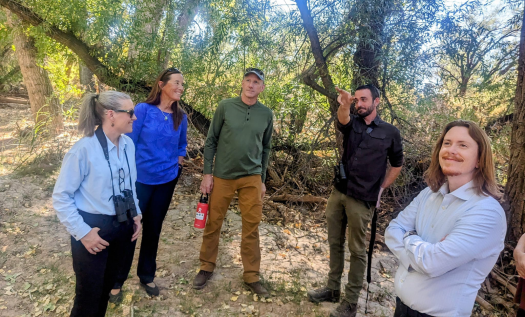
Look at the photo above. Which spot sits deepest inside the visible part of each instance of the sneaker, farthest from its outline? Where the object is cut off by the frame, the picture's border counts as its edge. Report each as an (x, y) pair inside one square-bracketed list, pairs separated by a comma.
[(201, 279), (324, 294), (257, 288), (116, 299), (345, 309), (151, 290)]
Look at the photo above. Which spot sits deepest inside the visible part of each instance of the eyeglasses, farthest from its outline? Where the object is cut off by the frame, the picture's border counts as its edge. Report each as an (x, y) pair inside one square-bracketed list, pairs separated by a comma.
[(130, 112), (255, 71), (121, 179)]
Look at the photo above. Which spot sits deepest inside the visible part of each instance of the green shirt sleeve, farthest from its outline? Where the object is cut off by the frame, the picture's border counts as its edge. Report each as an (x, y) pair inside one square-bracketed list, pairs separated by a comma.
[(267, 145), (210, 147)]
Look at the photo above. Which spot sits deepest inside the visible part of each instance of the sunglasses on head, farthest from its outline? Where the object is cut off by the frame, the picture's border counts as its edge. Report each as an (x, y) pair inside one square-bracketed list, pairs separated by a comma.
[(130, 112)]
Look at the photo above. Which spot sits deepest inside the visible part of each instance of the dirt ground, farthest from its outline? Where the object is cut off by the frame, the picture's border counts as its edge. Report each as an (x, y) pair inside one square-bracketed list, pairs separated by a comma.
[(36, 266)]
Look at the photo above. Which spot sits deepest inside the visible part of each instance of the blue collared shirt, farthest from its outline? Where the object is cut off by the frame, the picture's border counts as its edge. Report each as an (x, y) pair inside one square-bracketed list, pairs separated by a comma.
[(445, 276), (158, 144), (85, 183)]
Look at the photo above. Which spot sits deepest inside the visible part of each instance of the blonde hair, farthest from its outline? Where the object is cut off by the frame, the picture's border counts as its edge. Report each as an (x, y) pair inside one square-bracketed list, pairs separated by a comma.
[(484, 176), (94, 107)]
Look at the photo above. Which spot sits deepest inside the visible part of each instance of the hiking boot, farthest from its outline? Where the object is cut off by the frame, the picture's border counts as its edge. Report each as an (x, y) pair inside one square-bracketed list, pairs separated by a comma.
[(201, 279), (324, 294), (257, 288), (345, 309), (151, 290)]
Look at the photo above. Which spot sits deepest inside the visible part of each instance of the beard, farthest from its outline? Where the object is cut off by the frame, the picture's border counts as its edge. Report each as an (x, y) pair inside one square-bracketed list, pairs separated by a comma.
[(449, 173), (366, 113)]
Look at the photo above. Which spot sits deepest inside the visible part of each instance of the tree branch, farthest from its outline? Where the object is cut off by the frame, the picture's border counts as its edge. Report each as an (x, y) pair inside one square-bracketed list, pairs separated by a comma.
[(103, 73), (317, 51)]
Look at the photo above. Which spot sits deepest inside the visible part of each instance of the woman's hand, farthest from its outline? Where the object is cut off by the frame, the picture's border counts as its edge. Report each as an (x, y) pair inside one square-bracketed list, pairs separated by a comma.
[(137, 225), (93, 242)]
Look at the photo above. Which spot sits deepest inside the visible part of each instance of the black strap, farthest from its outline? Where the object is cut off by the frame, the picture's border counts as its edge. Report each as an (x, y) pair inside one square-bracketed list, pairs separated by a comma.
[(370, 252), (104, 143)]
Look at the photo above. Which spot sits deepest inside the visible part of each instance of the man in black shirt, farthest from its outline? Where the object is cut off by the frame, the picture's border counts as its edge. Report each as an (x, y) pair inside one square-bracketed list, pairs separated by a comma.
[(368, 143)]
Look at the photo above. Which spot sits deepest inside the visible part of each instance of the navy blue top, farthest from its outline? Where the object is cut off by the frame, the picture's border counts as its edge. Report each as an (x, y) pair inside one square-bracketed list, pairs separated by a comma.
[(158, 146)]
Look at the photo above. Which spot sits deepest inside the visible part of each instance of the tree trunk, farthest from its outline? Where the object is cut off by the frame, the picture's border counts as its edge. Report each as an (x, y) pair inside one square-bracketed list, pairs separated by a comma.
[(368, 54), (86, 77), (515, 188), (320, 63), (44, 106)]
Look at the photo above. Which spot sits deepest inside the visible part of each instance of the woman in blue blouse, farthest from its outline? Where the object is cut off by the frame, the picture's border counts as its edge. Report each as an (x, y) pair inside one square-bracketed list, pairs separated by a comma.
[(159, 135)]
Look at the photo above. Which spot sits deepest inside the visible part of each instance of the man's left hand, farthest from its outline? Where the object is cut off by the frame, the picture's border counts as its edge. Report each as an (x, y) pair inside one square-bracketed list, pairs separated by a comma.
[(263, 190), (136, 226)]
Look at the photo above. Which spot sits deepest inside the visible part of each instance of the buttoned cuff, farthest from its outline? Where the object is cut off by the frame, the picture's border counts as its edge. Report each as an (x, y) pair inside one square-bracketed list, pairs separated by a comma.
[(411, 242), (81, 231)]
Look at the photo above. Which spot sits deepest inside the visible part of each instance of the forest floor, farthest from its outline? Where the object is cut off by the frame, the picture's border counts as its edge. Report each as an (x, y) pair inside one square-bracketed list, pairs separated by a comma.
[(36, 271)]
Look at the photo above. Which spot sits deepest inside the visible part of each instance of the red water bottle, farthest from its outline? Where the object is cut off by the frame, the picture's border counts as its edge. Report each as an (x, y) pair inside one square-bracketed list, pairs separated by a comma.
[(202, 213)]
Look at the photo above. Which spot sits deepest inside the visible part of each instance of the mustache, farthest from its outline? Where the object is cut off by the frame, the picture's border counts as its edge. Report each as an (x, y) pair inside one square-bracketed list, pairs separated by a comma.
[(455, 158)]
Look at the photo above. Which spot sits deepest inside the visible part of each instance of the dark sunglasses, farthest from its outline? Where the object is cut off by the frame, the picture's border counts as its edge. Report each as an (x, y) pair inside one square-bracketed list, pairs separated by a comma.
[(130, 112)]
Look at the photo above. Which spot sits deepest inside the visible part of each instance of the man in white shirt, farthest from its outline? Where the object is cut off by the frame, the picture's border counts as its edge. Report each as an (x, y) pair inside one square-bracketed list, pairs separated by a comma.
[(449, 238)]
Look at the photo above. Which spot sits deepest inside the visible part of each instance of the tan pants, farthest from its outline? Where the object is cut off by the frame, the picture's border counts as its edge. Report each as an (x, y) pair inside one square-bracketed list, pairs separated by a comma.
[(250, 203)]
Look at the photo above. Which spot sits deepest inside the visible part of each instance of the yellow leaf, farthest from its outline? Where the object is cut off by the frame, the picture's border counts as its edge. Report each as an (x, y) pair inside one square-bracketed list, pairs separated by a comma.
[(234, 298)]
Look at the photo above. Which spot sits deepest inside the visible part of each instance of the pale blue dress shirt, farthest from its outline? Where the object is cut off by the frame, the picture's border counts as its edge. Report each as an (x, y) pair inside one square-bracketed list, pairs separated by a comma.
[(85, 183), (442, 278)]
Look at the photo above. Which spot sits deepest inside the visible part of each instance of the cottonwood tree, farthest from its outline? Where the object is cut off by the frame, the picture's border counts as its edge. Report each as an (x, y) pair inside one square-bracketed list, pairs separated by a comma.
[(44, 105)]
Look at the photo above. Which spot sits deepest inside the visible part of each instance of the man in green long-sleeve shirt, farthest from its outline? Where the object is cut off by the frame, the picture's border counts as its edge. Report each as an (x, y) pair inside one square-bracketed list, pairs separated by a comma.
[(239, 139)]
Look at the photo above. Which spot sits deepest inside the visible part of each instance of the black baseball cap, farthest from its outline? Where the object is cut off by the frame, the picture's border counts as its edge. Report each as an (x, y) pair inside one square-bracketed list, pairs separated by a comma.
[(259, 73)]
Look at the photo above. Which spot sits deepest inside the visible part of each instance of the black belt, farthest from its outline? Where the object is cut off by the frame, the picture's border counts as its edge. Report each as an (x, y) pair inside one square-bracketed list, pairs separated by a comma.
[(407, 311)]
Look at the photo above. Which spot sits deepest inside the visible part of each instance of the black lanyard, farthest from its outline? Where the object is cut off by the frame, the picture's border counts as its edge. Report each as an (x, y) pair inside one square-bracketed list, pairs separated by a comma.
[(104, 143)]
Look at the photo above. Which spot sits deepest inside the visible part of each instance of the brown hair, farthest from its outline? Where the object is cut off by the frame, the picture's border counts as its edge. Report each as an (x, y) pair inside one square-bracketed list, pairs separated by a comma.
[(154, 95), (484, 176)]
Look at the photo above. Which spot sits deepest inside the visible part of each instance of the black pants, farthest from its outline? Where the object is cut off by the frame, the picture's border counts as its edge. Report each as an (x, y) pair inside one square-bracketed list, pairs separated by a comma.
[(154, 201), (403, 310), (95, 274)]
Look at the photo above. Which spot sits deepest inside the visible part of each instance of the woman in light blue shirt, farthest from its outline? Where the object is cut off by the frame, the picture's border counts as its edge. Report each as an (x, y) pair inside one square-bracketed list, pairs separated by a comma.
[(95, 199), (159, 134)]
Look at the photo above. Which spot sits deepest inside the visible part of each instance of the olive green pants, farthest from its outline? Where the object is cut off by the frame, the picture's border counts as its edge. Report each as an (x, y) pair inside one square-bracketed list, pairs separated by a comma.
[(343, 210)]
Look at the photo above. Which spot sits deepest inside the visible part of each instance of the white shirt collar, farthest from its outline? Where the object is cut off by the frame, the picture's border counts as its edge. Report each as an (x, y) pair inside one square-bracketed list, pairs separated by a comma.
[(121, 143), (465, 192)]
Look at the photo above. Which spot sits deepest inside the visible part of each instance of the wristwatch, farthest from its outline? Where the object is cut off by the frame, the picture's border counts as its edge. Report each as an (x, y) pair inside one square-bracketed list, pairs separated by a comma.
[(409, 233)]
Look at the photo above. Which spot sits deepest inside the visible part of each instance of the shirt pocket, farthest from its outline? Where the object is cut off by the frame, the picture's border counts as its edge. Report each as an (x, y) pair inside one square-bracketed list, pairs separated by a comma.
[(378, 141)]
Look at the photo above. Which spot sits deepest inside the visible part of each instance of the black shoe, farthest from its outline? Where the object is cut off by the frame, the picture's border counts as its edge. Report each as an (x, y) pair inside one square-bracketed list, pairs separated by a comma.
[(201, 279), (324, 294), (257, 288), (152, 291), (345, 309), (116, 299)]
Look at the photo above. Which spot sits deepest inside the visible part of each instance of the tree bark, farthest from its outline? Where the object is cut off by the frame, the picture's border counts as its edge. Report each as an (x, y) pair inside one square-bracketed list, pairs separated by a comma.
[(86, 77), (515, 188), (44, 106)]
